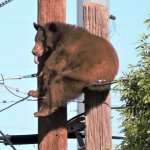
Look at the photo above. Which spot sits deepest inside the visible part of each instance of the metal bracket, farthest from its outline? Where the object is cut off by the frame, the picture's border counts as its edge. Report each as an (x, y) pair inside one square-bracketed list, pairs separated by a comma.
[(6, 140), (75, 126), (80, 141)]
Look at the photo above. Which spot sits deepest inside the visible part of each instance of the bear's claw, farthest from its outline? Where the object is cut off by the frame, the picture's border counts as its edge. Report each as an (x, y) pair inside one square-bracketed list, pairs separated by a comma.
[(33, 93)]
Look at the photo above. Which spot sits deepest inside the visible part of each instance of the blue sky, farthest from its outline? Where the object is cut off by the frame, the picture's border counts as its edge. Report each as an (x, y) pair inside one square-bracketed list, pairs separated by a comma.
[(16, 42)]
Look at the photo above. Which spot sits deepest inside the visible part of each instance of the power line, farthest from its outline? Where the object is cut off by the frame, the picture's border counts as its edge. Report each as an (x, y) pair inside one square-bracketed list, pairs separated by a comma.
[(6, 101), (7, 87), (19, 77), (5, 2), (23, 99), (18, 90), (94, 85)]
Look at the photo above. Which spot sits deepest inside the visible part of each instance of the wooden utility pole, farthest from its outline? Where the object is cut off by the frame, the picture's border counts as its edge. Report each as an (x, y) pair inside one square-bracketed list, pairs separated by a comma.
[(52, 130), (98, 134)]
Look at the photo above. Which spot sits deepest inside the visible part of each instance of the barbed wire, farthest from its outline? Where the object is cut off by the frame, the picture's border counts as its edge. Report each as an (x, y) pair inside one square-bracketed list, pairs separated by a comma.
[(5, 2), (96, 84)]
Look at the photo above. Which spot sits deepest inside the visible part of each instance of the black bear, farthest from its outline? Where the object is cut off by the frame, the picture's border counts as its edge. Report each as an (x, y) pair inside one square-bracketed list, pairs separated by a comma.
[(73, 58)]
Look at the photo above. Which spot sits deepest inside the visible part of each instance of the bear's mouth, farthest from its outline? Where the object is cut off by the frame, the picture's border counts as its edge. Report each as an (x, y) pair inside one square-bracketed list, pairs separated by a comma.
[(37, 51), (36, 59), (37, 55)]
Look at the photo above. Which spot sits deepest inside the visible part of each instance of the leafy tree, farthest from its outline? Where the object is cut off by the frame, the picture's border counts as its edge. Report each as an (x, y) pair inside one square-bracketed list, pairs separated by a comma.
[(135, 94)]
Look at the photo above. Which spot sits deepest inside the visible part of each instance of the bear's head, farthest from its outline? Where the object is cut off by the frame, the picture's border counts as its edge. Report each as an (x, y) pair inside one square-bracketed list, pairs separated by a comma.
[(45, 40)]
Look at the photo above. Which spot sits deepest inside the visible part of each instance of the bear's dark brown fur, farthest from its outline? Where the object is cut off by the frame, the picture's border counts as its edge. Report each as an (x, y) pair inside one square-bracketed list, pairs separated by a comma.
[(73, 58)]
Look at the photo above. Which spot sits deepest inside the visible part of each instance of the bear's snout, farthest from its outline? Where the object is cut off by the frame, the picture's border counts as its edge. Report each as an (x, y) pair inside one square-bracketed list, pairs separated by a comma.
[(38, 49)]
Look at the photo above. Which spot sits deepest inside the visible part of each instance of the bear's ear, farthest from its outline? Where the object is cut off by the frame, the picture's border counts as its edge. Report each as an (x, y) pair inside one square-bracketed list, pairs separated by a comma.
[(37, 26), (53, 27)]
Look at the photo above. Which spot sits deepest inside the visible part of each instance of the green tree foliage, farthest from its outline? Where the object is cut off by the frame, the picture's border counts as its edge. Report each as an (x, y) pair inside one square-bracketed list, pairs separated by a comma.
[(135, 94)]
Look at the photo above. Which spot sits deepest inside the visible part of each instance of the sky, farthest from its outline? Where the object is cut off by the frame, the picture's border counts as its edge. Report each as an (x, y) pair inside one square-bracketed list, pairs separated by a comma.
[(17, 40)]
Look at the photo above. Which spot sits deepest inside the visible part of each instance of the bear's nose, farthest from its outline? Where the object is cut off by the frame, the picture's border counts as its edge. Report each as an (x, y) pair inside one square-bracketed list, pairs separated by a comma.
[(34, 53)]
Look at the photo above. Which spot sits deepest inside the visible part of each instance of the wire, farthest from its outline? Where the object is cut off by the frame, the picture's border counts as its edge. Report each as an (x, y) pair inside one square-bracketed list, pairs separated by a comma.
[(14, 103), (5, 2), (7, 88), (104, 82), (5, 101), (16, 89), (20, 77), (99, 83), (3, 83)]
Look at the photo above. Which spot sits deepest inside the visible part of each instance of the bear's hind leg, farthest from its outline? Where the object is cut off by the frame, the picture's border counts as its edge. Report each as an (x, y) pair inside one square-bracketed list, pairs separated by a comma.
[(60, 91), (63, 89)]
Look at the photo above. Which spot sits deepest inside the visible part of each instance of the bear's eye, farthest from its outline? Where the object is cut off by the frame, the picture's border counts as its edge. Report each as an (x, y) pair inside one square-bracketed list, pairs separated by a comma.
[(40, 36)]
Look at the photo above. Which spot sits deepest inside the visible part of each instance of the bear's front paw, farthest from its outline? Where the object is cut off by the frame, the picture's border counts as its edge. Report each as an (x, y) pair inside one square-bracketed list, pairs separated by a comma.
[(33, 93)]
